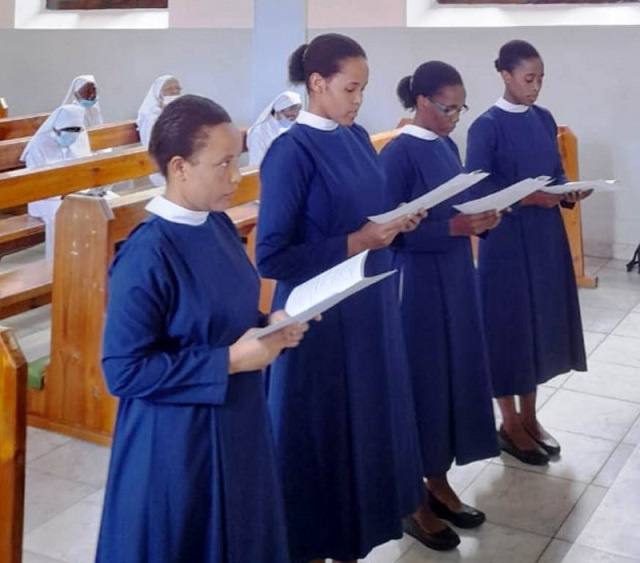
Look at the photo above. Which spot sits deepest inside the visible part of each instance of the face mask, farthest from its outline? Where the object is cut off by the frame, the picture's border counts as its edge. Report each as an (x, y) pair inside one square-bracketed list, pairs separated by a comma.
[(285, 123), (166, 100), (67, 138), (88, 103)]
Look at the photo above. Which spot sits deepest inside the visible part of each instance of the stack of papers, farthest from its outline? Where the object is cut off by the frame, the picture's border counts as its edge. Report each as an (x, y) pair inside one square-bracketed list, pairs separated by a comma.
[(504, 198), (436, 196), (318, 294)]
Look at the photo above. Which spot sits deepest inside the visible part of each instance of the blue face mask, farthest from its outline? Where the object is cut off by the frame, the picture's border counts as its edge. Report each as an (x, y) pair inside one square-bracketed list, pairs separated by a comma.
[(88, 103), (285, 123), (67, 138)]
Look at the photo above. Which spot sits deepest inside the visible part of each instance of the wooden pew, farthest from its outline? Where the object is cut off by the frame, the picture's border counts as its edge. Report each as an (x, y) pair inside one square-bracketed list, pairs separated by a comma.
[(74, 399), (100, 138), (24, 126), (13, 402), (4, 108), (568, 145)]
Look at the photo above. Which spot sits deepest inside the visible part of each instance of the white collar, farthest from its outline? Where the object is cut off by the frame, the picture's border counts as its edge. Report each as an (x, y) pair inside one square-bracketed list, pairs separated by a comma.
[(418, 132), (511, 108), (175, 213), (315, 121)]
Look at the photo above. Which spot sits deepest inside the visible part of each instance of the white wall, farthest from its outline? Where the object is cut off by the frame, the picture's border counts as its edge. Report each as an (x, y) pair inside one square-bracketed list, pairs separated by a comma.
[(37, 67), (592, 84)]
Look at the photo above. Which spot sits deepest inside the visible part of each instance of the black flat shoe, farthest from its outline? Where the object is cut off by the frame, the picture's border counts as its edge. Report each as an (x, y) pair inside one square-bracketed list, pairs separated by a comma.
[(468, 517), (549, 445), (531, 457), (444, 540)]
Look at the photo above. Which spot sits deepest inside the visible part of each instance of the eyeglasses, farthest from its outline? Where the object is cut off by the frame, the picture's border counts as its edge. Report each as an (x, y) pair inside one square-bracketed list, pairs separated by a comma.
[(450, 112)]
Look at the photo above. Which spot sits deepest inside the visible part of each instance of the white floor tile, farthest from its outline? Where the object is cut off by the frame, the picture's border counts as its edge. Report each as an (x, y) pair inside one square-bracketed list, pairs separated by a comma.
[(557, 381), (29, 321), (619, 279), (78, 460), (41, 442), (555, 552), (618, 350), (582, 554), (615, 524), (583, 510), (607, 380), (633, 436), (614, 465), (609, 298), (390, 551), (592, 340), (489, 543), (522, 499), (461, 476), (71, 536), (598, 319), (614, 264), (630, 326), (582, 457), (585, 414), (48, 495)]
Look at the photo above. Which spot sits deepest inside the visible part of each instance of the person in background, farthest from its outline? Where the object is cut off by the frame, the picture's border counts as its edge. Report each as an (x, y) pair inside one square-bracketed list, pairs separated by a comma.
[(84, 92), (164, 90), (56, 140), (439, 302), (528, 287), (276, 118), (192, 475)]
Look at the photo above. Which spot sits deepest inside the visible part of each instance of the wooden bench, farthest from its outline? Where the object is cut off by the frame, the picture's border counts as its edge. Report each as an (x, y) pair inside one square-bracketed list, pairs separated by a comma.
[(74, 399), (19, 232), (23, 126), (4, 108), (101, 137), (13, 402), (25, 288)]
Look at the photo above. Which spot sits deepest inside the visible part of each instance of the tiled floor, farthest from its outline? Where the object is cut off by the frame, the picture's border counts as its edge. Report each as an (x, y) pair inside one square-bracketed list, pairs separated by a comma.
[(584, 507)]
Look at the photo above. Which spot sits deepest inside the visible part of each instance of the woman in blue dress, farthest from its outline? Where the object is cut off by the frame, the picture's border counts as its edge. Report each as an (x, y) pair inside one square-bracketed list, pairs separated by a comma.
[(192, 475), (440, 302), (341, 403), (528, 287)]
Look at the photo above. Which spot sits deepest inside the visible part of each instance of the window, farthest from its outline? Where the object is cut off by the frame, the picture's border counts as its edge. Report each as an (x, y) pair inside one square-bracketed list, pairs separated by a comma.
[(104, 4)]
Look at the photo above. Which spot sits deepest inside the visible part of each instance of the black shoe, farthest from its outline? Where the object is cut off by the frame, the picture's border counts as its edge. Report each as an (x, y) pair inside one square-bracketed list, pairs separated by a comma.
[(549, 445), (533, 457), (444, 540), (468, 517)]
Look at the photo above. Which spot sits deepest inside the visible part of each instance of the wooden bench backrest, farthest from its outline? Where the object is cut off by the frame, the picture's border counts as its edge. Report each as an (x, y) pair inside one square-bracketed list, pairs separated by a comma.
[(87, 230), (101, 137), (4, 108), (13, 427), (19, 187), (23, 126)]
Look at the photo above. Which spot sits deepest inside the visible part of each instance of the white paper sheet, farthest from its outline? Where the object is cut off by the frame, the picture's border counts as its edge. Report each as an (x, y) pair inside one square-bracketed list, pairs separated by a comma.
[(504, 198), (595, 185), (436, 196), (322, 292)]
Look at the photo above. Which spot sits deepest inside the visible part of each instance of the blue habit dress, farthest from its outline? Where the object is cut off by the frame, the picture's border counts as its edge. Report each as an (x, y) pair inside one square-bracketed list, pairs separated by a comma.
[(341, 403), (440, 308), (528, 287), (193, 475)]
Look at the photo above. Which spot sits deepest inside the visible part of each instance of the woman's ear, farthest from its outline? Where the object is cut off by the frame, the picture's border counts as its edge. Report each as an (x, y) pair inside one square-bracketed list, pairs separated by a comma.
[(176, 168), (317, 83)]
